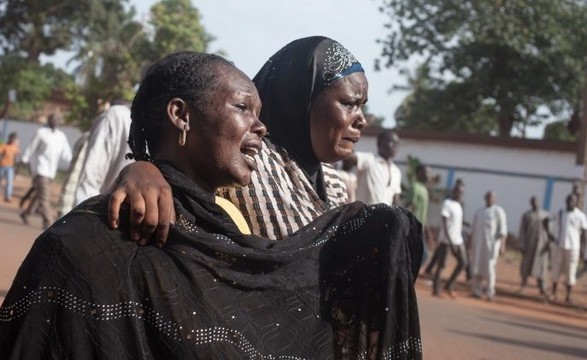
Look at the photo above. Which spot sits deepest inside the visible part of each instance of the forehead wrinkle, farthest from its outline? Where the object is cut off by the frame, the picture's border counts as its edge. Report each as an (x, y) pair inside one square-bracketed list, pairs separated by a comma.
[(356, 86)]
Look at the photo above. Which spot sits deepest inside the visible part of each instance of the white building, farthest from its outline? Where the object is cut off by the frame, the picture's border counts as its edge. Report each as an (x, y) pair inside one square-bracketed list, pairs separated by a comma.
[(514, 168)]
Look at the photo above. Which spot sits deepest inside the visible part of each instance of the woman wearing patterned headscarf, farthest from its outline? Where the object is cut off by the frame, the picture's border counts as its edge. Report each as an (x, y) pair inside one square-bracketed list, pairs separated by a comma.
[(312, 92)]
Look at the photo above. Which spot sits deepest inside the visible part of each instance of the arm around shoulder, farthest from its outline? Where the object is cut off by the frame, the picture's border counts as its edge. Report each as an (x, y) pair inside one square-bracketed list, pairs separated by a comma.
[(150, 198)]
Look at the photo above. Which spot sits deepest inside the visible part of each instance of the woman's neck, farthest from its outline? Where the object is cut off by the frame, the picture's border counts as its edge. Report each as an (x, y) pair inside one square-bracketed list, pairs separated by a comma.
[(187, 171)]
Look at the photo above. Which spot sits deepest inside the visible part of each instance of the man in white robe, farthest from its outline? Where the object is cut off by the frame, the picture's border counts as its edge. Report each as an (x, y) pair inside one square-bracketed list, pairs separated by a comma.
[(106, 151), (488, 238)]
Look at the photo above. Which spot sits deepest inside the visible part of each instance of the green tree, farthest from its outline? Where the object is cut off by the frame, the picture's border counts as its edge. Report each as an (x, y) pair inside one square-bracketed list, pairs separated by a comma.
[(31, 28), (118, 48), (111, 48), (111, 58), (435, 105), (558, 130), (32, 81), (508, 63), (177, 26), (105, 39)]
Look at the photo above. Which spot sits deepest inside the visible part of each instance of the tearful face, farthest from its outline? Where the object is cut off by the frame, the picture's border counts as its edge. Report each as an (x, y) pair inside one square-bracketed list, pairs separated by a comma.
[(336, 118)]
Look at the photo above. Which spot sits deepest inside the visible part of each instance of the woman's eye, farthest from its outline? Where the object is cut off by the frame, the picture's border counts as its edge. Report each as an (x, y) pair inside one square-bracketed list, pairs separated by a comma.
[(353, 106), (241, 107)]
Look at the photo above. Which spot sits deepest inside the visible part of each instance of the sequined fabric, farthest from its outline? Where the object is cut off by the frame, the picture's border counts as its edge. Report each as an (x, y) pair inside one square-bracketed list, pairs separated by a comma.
[(339, 288), (338, 62)]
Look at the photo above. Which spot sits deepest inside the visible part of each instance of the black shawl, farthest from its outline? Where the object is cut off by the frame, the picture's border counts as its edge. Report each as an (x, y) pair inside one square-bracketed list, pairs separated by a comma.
[(287, 84), (340, 288)]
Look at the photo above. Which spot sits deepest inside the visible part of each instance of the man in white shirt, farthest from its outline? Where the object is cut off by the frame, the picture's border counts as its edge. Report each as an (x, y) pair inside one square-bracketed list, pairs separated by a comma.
[(105, 153), (48, 147), (488, 241), (378, 178), (450, 238), (569, 232)]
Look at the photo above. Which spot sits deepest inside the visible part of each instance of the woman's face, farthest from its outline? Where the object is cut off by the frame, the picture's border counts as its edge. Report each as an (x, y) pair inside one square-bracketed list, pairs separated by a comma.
[(227, 132), (336, 118)]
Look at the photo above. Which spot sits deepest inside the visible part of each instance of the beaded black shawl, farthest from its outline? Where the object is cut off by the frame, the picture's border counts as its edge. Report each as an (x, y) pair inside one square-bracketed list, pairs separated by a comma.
[(339, 288)]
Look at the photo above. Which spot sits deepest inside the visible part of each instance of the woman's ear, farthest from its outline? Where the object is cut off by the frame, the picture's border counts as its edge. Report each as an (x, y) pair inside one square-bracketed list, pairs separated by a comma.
[(178, 114)]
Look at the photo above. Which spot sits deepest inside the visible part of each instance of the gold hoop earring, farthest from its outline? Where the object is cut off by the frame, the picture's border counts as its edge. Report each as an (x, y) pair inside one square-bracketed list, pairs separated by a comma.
[(182, 137)]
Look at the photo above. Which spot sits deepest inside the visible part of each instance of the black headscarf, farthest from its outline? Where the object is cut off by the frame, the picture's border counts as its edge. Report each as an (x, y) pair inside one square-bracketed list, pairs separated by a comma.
[(340, 288), (288, 83)]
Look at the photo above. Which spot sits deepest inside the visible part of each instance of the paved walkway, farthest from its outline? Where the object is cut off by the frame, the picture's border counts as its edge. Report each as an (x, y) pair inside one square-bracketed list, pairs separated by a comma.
[(516, 326)]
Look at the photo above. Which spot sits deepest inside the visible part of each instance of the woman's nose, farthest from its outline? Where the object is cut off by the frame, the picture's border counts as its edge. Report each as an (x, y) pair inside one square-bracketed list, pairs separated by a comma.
[(259, 128), (361, 121)]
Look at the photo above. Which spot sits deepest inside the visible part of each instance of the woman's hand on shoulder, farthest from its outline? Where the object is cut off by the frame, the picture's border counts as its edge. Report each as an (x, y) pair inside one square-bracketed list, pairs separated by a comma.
[(149, 196)]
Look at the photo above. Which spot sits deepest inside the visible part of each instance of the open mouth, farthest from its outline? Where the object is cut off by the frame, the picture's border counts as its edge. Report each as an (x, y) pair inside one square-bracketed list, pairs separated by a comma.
[(249, 152)]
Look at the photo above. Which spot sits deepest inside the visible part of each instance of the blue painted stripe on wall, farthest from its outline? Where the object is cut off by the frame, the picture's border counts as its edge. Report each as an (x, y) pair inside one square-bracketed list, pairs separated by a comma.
[(548, 194), (450, 178)]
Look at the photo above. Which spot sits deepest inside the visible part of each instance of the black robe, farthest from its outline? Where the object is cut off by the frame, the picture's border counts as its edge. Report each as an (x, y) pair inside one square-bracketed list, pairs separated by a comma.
[(339, 288)]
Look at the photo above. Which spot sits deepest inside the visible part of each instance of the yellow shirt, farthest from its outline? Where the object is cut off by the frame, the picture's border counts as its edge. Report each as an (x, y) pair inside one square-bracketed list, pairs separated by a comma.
[(234, 214)]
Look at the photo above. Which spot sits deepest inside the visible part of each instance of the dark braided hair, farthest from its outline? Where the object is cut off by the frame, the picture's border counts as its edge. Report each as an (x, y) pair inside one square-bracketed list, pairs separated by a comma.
[(187, 75)]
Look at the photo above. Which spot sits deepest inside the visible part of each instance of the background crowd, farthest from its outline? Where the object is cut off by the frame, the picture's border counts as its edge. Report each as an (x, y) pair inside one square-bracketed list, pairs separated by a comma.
[(551, 244)]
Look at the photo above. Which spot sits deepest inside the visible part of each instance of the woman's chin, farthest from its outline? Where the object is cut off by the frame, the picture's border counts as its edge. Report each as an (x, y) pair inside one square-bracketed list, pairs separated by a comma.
[(243, 180), (341, 154)]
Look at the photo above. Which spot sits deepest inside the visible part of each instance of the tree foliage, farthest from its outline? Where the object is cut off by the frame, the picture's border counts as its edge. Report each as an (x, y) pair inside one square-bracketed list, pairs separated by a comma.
[(492, 65), (33, 82), (177, 26), (558, 130), (434, 105), (111, 48), (110, 59), (31, 28)]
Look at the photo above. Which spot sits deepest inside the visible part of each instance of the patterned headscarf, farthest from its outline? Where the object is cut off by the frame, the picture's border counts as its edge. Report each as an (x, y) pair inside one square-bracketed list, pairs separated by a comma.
[(287, 84)]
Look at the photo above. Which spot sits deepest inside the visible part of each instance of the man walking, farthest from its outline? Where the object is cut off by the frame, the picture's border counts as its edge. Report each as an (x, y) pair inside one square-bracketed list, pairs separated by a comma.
[(570, 230), (450, 238), (47, 149), (488, 241), (534, 245)]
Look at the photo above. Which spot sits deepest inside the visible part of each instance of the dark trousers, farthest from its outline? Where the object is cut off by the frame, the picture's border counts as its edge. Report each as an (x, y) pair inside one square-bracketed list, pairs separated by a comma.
[(40, 202), (460, 256), (433, 261)]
